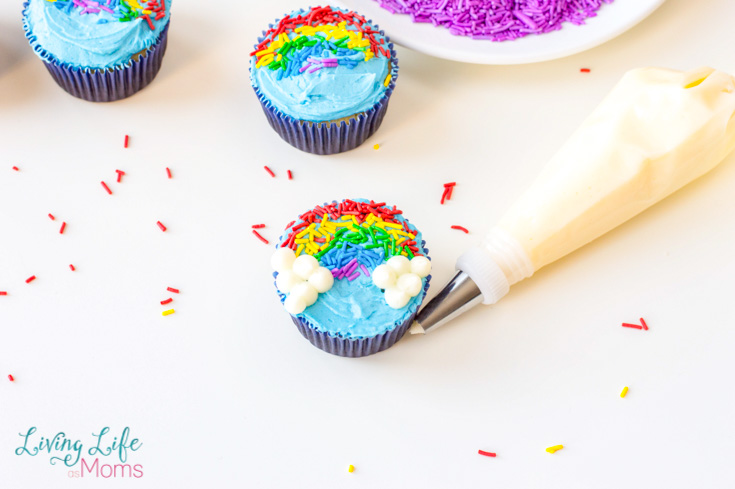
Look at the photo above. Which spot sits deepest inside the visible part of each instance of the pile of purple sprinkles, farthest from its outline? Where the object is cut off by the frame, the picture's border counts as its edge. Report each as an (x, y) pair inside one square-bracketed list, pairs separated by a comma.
[(496, 20)]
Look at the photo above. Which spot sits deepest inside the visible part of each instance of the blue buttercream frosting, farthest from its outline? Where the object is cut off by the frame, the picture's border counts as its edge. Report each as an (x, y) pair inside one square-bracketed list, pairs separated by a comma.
[(357, 309), (94, 36), (330, 92)]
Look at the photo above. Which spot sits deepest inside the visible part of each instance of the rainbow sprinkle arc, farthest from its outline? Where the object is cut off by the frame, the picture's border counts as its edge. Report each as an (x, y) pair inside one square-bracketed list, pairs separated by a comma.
[(322, 38), (352, 236), (122, 10)]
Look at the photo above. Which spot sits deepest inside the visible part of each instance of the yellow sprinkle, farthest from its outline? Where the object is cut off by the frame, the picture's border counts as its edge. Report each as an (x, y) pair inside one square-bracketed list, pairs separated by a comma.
[(351, 468), (299, 249), (625, 391), (392, 225), (368, 55), (387, 79), (147, 12), (301, 241), (168, 313), (376, 147), (555, 448), (313, 248)]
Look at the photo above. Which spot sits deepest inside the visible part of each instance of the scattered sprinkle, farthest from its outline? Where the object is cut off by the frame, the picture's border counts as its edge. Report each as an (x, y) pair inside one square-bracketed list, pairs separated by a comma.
[(270, 172), (376, 147), (168, 172), (625, 391), (585, 70), (487, 454), (555, 448), (127, 140), (51, 216), (63, 226), (260, 237), (71, 267), (168, 313), (11, 378), (448, 187), (351, 468), (120, 174), (160, 225), (167, 301), (460, 228), (16, 168), (258, 226), (643, 323), (2, 292), (30, 279), (635, 326), (171, 289), (290, 175), (107, 189)]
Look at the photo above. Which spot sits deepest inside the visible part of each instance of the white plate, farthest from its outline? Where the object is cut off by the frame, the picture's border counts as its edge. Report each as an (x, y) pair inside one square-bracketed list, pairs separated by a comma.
[(611, 21)]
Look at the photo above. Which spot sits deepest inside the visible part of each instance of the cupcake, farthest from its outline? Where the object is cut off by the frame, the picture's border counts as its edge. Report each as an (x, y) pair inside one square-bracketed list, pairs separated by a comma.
[(324, 77), (352, 275), (102, 50)]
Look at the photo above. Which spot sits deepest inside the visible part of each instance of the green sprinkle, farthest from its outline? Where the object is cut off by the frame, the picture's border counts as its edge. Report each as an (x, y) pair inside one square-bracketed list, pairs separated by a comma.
[(374, 245), (410, 253), (393, 246)]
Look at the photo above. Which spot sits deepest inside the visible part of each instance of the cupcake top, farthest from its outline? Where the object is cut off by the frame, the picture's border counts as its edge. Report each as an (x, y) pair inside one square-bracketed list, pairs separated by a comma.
[(322, 64), (353, 269), (95, 33)]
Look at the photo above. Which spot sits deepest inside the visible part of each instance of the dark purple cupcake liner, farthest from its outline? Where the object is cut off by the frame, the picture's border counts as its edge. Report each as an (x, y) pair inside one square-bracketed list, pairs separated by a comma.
[(326, 138), (102, 85), (355, 347)]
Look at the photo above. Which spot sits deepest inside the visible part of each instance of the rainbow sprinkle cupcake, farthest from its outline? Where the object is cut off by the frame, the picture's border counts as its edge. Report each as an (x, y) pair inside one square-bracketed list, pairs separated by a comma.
[(352, 275), (324, 77), (99, 50)]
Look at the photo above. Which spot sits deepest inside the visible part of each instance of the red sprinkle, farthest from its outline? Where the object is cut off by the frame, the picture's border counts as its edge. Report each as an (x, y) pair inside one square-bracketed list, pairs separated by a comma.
[(72, 268), (167, 301), (160, 225), (636, 326), (171, 289), (258, 226), (460, 228), (127, 140), (2, 292), (63, 226), (450, 184), (290, 175), (168, 172), (107, 189), (585, 70), (645, 326), (120, 174), (260, 237), (445, 194), (270, 172), (487, 454), (16, 168), (30, 279), (51, 216), (11, 378)]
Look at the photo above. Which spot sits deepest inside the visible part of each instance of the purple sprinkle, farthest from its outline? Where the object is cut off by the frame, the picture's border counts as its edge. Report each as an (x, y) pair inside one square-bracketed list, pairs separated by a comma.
[(353, 276), (365, 270), (496, 20), (314, 69)]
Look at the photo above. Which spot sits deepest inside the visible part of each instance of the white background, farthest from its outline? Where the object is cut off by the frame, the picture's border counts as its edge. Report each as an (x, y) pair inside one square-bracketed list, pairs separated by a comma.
[(226, 393)]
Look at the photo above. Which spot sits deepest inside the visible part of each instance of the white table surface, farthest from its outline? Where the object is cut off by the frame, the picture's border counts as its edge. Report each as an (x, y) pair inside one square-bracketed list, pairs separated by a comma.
[(226, 393)]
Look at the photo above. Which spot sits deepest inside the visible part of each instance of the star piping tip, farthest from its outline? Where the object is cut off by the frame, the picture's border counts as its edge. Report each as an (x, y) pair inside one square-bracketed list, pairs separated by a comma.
[(416, 328)]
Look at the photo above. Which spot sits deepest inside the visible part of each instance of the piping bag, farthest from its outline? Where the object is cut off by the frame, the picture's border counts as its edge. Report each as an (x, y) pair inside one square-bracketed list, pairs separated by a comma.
[(655, 132)]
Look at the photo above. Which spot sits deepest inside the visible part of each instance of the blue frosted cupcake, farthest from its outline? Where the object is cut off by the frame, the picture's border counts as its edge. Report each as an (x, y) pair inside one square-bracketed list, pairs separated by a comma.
[(352, 275), (324, 77), (99, 50)]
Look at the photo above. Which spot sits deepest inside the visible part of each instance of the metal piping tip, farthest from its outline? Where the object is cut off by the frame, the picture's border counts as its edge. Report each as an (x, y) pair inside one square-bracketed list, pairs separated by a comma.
[(458, 296)]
